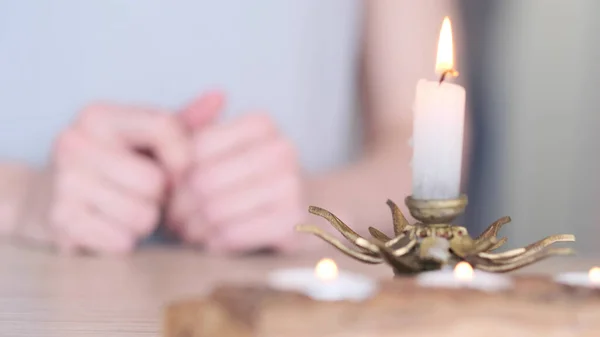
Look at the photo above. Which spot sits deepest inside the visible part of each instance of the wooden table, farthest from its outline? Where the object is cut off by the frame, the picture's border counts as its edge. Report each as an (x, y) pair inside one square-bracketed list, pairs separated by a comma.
[(42, 294)]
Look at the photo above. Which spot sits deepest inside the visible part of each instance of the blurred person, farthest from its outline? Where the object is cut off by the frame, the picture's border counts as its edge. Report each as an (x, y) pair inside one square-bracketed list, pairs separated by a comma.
[(236, 167)]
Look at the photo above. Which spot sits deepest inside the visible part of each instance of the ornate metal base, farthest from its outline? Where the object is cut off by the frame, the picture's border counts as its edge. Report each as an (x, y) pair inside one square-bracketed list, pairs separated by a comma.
[(433, 241)]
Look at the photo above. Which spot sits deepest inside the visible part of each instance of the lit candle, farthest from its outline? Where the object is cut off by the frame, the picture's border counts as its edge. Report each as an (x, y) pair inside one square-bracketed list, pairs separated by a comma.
[(325, 282), (463, 276), (591, 279), (439, 114)]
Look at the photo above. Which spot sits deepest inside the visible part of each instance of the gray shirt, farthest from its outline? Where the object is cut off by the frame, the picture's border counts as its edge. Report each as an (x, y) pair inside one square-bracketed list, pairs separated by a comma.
[(295, 59)]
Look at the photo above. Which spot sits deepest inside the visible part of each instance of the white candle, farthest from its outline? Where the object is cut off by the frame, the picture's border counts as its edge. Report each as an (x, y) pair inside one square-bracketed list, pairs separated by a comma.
[(324, 282), (463, 276), (591, 279), (439, 114)]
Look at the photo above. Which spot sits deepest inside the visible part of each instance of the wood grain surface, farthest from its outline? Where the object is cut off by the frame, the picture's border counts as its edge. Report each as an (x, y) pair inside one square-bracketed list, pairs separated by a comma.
[(43, 294), (535, 307)]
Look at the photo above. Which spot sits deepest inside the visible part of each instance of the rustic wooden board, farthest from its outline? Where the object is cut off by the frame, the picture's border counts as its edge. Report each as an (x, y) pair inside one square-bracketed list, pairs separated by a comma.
[(536, 307)]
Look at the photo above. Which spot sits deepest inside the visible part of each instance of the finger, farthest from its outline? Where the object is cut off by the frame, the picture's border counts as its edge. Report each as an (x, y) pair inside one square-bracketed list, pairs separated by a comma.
[(179, 207), (65, 244), (218, 177), (258, 195), (83, 229), (267, 230), (196, 229), (257, 163), (140, 128), (216, 140), (203, 110), (98, 235), (135, 215), (129, 172), (257, 198)]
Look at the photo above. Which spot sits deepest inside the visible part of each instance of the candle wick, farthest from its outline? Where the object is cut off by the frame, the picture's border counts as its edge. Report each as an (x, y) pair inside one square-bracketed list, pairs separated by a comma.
[(449, 72), (443, 77)]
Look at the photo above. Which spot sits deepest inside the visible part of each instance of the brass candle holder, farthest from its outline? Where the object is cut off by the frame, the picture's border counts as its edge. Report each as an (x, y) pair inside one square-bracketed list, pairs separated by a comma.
[(433, 241)]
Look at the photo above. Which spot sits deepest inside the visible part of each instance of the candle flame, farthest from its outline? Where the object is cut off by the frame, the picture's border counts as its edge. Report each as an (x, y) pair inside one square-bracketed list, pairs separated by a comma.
[(594, 275), (326, 270), (463, 271), (445, 52)]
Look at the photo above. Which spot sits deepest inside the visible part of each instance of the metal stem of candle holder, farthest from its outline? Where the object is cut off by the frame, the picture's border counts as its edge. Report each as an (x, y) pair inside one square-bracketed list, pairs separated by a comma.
[(433, 241)]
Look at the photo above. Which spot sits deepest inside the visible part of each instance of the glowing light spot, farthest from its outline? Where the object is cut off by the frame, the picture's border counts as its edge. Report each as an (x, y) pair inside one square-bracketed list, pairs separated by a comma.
[(326, 270), (463, 271)]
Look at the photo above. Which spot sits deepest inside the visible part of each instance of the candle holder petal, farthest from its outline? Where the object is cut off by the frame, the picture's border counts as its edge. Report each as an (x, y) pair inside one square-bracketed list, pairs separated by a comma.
[(367, 257), (498, 244), (526, 260), (399, 220), (494, 228), (377, 234)]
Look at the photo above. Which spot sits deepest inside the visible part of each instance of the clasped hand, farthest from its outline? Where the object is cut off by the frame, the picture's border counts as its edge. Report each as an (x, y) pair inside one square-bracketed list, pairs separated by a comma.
[(231, 187)]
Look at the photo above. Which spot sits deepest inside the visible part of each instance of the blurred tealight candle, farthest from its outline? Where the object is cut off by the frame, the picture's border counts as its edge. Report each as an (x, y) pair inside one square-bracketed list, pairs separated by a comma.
[(325, 282), (463, 276), (591, 279)]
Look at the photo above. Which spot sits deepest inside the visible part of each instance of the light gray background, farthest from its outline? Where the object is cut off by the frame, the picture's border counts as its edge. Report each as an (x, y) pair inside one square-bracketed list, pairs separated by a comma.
[(538, 119), (294, 59)]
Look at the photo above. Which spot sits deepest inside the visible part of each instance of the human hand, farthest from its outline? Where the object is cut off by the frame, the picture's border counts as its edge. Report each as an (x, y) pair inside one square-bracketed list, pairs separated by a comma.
[(106, 191), (244, 191)]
